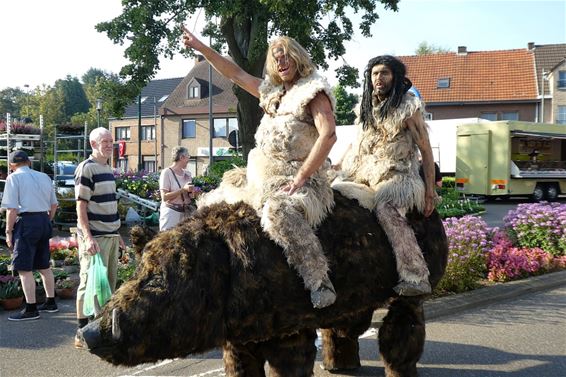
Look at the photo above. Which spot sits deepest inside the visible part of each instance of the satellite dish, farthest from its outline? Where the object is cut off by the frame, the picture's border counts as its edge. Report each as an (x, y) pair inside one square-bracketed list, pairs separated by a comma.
[(233, 138)]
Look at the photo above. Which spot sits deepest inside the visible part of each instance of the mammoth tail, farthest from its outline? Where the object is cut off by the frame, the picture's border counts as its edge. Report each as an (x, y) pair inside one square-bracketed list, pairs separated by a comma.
[(140, 236)]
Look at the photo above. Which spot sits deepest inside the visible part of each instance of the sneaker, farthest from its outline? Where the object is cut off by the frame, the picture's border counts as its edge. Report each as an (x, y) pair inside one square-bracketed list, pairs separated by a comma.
[(49, 308), (24, 316), (406, 288)]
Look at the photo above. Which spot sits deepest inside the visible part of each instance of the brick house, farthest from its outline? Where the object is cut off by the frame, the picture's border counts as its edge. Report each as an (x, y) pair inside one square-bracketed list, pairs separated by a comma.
[(493, 85), (125, 129), (185, 117), (550, 63)]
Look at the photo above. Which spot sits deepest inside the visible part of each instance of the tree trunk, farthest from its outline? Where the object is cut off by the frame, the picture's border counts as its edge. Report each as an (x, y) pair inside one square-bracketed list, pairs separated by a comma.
[(247, 44)]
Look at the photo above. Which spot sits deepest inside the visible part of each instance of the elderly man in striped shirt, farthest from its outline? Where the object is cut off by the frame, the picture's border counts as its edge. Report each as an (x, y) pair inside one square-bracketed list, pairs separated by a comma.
[(97, 211)]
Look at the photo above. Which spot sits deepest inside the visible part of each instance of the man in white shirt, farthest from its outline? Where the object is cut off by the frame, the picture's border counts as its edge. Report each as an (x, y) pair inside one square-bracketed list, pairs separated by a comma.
[(30, 201)]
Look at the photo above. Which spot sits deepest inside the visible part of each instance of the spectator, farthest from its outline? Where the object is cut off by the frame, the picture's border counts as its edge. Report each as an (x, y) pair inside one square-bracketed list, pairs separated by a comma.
[(98, 221), (177, 190), (31, 203)]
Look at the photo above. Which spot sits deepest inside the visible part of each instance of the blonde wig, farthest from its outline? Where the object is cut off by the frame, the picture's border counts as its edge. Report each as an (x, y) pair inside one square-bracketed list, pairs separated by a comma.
[(293, 50)]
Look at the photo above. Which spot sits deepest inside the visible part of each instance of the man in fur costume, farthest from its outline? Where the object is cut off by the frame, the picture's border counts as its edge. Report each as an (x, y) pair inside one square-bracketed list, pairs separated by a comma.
[(285, 180), (381, 168)]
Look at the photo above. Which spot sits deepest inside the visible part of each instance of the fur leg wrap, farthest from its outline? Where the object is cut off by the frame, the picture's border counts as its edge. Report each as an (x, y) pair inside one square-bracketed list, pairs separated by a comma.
[(411, 264), (243, 360), (286, 225)]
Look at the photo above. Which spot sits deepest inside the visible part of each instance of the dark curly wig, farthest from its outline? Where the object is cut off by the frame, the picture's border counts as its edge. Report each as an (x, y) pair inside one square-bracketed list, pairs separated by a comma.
[(401, 85)]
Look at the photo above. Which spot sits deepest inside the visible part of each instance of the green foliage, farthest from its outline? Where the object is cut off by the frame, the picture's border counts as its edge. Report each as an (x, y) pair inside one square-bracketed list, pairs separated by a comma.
[(10, 287), (74, 96), (425, 48), (345, 103), (5, 261), (452, 205), (220, 167), (153, 29)]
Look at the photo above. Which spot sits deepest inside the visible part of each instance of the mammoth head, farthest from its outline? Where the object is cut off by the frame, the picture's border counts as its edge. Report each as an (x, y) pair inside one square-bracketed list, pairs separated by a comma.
[(173, 306)]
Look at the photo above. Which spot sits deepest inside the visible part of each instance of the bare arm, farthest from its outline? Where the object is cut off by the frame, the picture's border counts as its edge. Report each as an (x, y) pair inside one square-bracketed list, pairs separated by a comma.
[(226, 67), (52, 211), (82, 223), (323, 116), (11, 215), (338, 165), (417, 126)]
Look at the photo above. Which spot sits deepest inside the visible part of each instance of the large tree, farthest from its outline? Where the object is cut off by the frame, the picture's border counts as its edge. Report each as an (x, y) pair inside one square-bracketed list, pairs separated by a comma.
[(345, 103), (426, 48), (152, 29)]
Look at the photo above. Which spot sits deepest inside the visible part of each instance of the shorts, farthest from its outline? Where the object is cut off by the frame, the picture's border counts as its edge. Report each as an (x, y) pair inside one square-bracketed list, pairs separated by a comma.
[(31, 242)]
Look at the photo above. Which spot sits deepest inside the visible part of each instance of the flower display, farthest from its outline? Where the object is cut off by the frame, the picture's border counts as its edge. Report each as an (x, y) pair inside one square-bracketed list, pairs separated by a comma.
[(541, 225), (64, 249)]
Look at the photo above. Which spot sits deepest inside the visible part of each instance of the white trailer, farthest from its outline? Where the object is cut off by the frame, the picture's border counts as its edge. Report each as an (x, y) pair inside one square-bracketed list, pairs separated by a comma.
[(442, 134)]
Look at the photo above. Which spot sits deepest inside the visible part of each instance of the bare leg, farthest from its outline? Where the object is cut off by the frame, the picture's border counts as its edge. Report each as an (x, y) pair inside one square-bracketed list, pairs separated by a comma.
[(411, 265), (28, 285), (287, 226), (48, 282)]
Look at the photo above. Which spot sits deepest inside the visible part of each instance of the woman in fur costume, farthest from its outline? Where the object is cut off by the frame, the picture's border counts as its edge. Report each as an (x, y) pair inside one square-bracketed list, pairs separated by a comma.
[(381, 168), (285, 180)]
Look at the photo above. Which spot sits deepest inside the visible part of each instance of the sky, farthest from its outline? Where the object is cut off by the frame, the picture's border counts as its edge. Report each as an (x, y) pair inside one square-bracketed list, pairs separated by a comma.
[(43, 41)]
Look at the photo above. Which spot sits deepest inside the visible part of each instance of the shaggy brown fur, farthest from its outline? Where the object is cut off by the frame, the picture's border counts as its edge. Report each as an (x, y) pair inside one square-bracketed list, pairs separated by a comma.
[(217, 280)]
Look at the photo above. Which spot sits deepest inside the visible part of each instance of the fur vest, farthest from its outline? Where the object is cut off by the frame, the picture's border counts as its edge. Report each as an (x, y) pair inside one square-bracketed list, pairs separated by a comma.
[(385, 160), (284, 139)]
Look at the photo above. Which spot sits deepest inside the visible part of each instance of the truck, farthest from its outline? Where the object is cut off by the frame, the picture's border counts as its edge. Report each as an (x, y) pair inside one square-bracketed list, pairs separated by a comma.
[(511, 158)]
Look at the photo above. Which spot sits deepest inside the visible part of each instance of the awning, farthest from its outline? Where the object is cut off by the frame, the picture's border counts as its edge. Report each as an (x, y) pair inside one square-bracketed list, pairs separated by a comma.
[(539, 134)]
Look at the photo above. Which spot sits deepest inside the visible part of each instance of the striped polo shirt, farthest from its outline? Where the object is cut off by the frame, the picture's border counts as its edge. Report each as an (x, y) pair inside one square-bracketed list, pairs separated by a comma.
[(95, 184)]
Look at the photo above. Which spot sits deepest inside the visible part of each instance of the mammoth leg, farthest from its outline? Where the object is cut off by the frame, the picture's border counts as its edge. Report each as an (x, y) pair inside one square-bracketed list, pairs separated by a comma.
[(402, 337), (291, 356), (340, 347), (287, 226), (243, 360)]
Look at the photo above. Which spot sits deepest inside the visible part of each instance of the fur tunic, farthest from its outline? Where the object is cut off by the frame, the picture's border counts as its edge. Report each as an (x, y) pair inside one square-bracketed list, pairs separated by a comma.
[(385, 160), (284, 139)]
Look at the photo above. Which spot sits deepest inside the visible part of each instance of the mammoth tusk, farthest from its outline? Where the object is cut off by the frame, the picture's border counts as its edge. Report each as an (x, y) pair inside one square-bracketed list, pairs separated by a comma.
[(116, 333)]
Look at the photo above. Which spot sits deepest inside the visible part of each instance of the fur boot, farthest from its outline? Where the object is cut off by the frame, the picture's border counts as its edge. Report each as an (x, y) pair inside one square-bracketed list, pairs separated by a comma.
[(301, 247), (411, 265)]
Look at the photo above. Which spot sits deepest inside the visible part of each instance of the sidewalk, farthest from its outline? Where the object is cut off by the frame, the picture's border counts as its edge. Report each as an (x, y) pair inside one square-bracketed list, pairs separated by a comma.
[(444, 306)]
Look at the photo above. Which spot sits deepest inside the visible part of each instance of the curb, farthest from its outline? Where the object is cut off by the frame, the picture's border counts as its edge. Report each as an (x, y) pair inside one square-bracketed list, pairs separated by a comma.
[(449, 305)]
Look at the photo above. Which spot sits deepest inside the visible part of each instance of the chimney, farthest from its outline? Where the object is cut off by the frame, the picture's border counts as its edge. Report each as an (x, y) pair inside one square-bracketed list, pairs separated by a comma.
[(199, 58), (462, 50), (531, 46)]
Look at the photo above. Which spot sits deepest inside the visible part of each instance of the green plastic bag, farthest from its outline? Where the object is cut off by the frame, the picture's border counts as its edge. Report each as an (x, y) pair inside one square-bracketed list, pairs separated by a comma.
[(98, 290)]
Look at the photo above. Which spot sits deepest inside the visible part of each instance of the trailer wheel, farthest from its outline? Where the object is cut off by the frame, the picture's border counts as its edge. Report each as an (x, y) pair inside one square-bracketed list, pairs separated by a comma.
[(538, 193), (551, 192)]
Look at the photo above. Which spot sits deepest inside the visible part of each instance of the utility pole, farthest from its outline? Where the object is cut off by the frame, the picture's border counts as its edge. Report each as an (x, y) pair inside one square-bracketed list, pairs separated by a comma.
[(210, 120), (98, 109), (542, 96), (140, 163)]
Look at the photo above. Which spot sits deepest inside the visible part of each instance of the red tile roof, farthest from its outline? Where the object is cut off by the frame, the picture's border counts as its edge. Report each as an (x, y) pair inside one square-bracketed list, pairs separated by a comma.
[(475, 76)]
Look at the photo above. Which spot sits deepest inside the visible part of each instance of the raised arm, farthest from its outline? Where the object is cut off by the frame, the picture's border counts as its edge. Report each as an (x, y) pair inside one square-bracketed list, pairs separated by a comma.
[(323, 116), (418, 129), (224, 66)]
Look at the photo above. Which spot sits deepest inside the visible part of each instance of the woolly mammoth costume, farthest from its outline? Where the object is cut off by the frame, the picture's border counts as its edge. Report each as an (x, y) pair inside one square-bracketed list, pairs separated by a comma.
[(381, 171), (284, 139), (218, 280)]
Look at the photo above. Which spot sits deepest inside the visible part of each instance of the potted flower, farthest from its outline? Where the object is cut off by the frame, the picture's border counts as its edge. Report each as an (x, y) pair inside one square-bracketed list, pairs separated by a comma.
[(11, 293), (66, 288)]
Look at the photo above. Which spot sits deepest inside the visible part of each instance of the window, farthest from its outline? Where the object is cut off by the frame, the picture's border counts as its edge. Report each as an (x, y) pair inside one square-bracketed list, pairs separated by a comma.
[(194, 91), (561, 118), (143, 99), (148, 163), (223, 126), (443, 83), (122, 164), (562, 80), (189, 129), (122, 133), (510, 115), (489, 116), (148, 133), (164, 98)]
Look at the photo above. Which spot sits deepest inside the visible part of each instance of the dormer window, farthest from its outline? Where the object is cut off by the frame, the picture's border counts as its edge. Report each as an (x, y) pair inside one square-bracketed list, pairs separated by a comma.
[(443, 83), (194, 90)]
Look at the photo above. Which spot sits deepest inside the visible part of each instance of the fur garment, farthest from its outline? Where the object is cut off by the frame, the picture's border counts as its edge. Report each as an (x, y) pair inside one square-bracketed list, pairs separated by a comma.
[(284, 139), (385, 159)]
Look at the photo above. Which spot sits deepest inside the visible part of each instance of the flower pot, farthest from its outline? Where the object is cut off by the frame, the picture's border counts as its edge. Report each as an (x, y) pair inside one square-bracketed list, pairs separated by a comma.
[(65, 293), (12, 303)]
